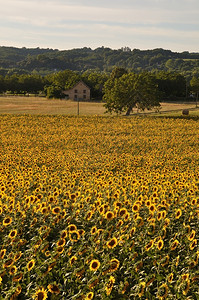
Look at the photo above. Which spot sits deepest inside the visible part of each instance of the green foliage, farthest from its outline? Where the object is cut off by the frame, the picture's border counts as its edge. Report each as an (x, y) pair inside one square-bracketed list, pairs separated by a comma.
[(95, 81), (53, 91), (171, 84), (130, 90), (64, 79), (194, 83), (43, 61)]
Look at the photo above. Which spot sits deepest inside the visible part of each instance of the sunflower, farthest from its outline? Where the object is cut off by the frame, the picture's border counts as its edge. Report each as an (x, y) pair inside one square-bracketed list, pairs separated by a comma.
[(148, 203), (193, 244), (47, 253), (40, 294), (99, 231), (165, 261), (94, 265), (177, 260), (2, 253), (119, 224), (44, 210), (61, 243), (109, 285), (195, 278), (159, 216), (134, 256), (109, 215), (74, 236), (192, 235), (149, 245), (56, 210), (93, 230), (12, 234), (64, 234), (72, 227), (89, 296), (167, 222), (174, 245), (185, 276), (8, 263), (117, 205), (72, 260), (160, 244), (132, 231), (164, 213), (178, 213), (150, 281), (151, 228), (60, 250), (127, 217), (17, 277), (93, 283), (13, 270), (18, 290), (112, 243), (162, 291), (7, 221), (170, 277), (142, 286), (53, 288), (122, 212), (124, 229), (138, 266), (135, 208), (152, 208), (89, 215), (186, 286), (114, 264), (30, 264), (126, 285)]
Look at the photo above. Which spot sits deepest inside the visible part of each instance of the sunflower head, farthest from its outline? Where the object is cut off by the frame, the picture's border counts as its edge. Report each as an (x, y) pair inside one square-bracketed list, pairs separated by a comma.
[(112, 243), (53, 289), (40, 294), (30, 264), (94, 265)]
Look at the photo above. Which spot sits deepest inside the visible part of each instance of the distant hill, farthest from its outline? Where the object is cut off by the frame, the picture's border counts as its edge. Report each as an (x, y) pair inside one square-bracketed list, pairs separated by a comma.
[(44, 61)]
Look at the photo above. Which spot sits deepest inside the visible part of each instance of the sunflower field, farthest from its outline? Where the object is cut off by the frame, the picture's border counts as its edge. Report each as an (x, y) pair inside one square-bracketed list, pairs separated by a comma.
[(99, 208)]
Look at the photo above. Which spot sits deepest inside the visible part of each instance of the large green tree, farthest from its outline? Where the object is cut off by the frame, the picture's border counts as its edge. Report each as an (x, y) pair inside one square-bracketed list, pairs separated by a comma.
[(194, 83), (130, 90)]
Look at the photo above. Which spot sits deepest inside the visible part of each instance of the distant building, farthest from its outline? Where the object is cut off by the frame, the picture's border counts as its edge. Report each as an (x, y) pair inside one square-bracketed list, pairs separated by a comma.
[(80, 91)]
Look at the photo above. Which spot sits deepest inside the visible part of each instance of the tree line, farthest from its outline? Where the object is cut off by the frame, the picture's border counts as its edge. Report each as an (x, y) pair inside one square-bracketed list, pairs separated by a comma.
[(102, 59), (171, 86)]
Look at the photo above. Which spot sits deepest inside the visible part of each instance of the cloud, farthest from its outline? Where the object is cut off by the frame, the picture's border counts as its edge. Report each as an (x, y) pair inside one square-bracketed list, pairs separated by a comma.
[(100, 21), (46, 13)]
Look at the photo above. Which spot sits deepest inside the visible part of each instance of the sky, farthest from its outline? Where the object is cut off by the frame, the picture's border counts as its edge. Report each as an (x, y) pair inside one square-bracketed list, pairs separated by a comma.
[(69, 24)]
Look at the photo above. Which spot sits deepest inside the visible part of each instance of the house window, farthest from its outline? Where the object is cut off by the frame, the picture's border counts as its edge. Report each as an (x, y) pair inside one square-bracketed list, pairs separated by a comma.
[(84, 91), (75, 96), (84, 96), (76, 91)]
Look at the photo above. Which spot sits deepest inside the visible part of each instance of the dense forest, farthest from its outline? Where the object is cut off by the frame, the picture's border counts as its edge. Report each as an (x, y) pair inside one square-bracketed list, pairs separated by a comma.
[(50, 71), (45, 61)]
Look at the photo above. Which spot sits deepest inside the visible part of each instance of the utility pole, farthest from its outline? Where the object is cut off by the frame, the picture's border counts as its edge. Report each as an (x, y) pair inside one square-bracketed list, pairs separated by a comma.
[(78, 106)]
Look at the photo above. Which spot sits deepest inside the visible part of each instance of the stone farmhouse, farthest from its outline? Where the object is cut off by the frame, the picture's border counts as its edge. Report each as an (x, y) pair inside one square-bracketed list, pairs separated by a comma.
[(80, 91)]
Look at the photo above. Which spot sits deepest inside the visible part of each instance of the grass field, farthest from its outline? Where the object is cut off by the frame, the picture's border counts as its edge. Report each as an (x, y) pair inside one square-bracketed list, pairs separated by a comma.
[(36, 105), (98, 207)]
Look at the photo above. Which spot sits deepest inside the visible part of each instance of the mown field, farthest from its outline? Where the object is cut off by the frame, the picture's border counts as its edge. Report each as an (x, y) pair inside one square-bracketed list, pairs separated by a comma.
[(39, 105), (99, 207)]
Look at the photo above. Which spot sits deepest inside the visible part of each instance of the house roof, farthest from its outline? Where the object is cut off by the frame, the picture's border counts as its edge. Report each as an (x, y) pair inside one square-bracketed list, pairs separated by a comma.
[(78, 84)]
